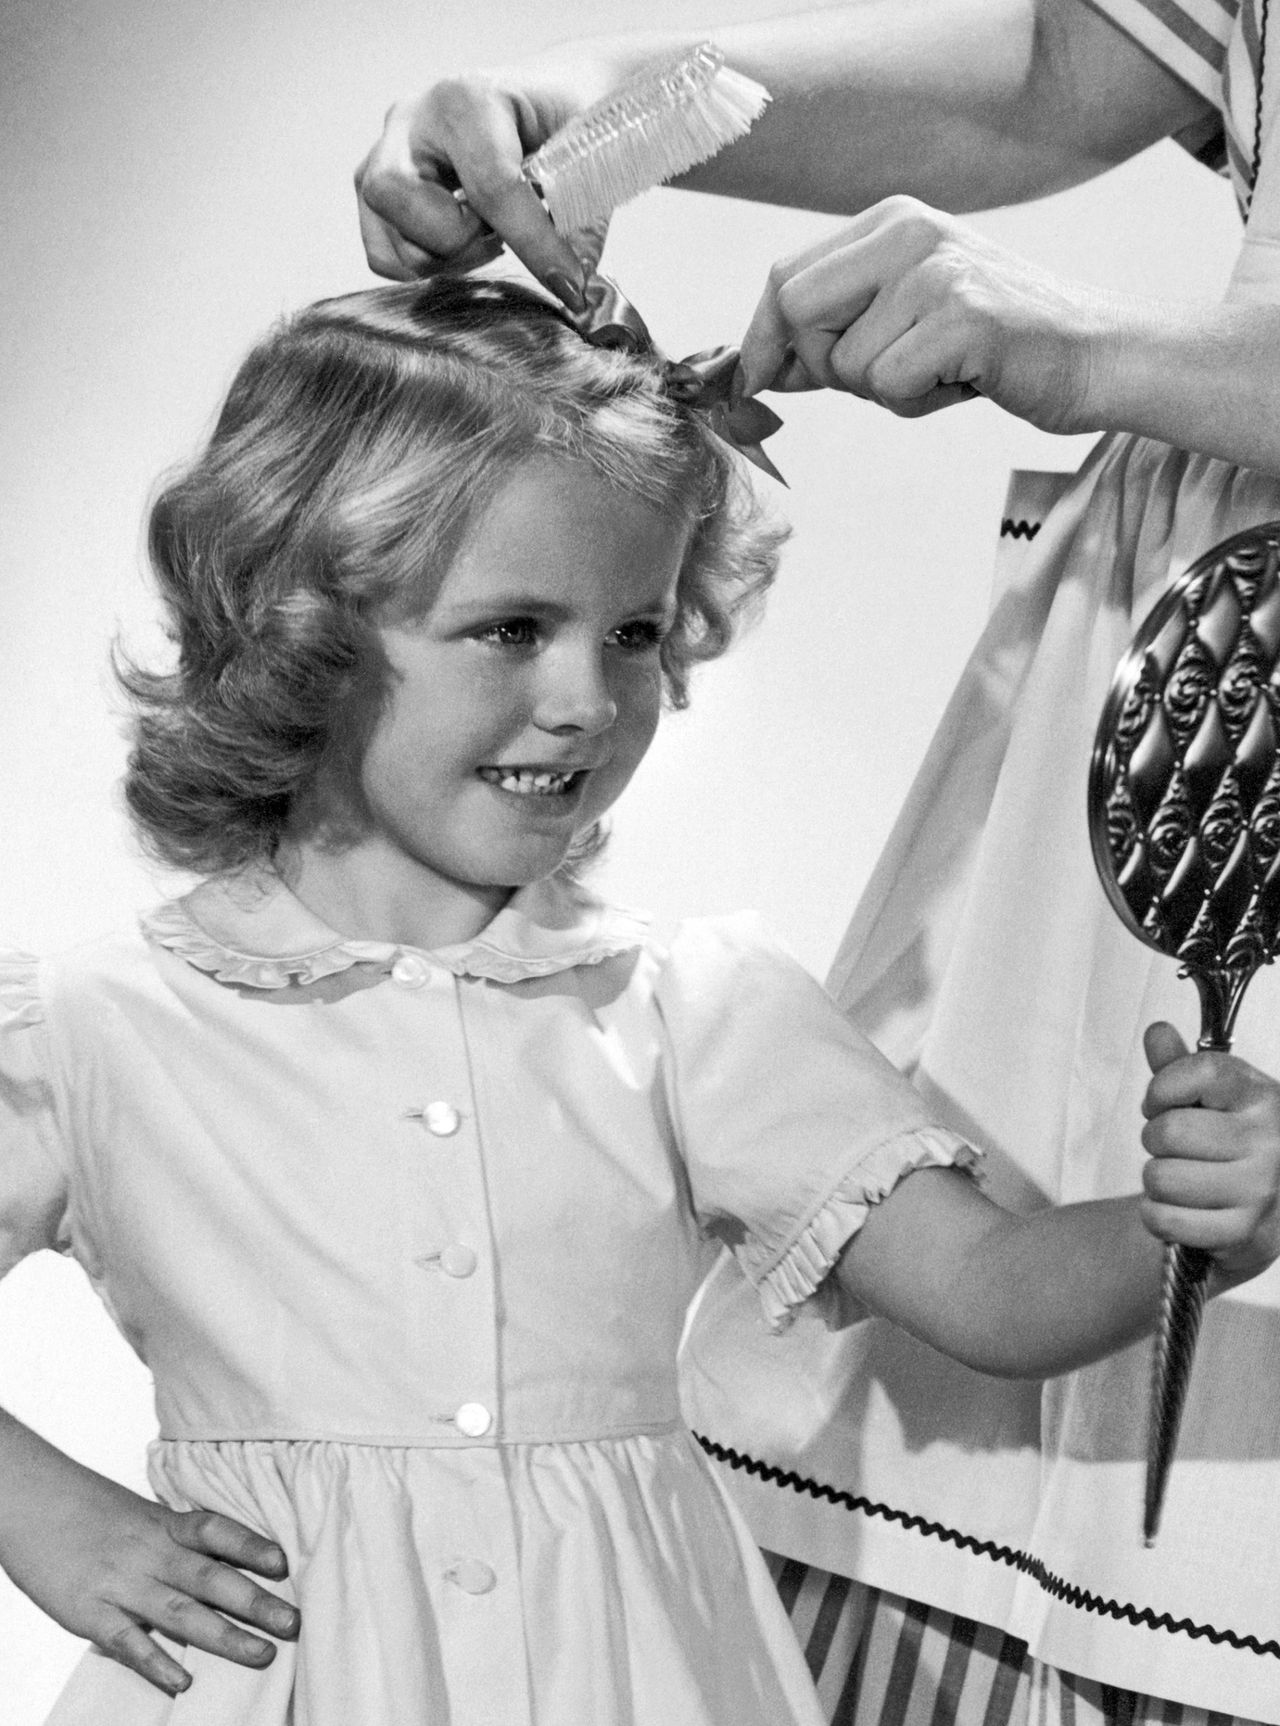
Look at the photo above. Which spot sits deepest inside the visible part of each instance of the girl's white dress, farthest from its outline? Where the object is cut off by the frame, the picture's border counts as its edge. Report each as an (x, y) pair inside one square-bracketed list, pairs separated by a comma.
[(407, 1240)]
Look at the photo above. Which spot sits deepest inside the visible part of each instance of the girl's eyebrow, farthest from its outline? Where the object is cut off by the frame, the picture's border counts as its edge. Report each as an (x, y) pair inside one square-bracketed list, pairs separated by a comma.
[(515, 602)]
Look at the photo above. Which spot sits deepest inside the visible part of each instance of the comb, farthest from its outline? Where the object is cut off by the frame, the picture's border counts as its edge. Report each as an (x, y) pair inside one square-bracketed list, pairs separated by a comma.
[(658, 124)]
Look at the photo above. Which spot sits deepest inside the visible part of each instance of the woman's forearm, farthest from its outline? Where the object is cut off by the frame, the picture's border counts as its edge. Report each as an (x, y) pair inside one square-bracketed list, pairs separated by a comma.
[(965, 104), (1204, 378)]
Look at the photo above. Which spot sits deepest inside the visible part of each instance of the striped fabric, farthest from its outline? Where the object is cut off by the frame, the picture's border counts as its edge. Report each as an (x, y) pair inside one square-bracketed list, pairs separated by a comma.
[(1216, 47), (880, 1660)]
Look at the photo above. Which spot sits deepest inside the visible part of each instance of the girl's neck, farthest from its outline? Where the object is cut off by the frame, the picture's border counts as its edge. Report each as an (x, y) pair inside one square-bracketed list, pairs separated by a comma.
[(369, 893)]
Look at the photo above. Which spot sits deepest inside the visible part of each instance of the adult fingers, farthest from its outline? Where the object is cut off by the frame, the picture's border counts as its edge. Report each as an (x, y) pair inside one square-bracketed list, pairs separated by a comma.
[(766, 347), (795, 319), (841, 305), (463, 134), (902, 356)]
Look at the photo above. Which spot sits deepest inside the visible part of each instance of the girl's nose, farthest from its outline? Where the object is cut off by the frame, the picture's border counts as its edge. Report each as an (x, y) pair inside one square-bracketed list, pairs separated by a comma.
[(575, 696)]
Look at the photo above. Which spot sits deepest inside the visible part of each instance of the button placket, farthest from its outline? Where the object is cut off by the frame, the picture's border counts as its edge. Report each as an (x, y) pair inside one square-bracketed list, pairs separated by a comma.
[(455, 1316)]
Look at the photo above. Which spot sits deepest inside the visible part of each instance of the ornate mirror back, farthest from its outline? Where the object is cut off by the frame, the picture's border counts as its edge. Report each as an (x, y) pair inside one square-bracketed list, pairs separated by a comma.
[(1184, 794), (1184, 818)]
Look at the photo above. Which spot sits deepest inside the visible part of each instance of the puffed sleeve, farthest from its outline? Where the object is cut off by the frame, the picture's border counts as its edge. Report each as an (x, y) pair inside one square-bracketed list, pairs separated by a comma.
[(792, 1124), (33, 1190)]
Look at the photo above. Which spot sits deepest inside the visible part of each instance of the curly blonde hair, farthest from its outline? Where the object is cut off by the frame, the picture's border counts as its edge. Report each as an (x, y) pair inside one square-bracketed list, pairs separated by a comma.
[(357, 442)]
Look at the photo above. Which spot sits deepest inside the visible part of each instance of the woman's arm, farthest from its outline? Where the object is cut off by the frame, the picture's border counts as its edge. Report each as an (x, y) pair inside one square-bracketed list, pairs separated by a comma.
[(1029, 1297), (111, 1566), (964, 104), (911, 308)]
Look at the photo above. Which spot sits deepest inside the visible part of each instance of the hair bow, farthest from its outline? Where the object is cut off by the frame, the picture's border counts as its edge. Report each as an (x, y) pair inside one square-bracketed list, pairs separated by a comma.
[(708, 382)]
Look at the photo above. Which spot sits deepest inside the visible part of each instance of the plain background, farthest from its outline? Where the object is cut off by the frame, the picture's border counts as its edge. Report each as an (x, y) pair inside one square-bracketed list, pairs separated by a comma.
[(176, 175)]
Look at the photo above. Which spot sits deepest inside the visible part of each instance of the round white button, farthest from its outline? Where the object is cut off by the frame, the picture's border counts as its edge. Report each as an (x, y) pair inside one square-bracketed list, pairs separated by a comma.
[(473, 1420), (457, 1260), (472, 1576), (442, 1119), (409, 971)]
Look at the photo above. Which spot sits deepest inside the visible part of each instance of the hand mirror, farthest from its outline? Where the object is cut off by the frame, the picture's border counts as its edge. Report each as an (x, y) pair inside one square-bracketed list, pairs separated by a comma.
[(1184, 818)]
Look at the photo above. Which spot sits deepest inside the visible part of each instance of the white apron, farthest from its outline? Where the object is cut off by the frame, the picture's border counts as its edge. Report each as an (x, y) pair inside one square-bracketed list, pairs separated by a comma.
[(985, 960)]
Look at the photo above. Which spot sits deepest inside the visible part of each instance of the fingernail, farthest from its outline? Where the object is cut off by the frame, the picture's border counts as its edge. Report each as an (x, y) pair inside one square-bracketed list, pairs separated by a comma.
[(566, 289)]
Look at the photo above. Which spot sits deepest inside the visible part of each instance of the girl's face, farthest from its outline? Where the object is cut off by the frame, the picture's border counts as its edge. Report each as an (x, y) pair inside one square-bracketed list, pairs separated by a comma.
[(519, 707)]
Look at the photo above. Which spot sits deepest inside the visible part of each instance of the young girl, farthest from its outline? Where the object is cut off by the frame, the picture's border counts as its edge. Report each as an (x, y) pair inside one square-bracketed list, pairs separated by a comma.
[(398, 1156)]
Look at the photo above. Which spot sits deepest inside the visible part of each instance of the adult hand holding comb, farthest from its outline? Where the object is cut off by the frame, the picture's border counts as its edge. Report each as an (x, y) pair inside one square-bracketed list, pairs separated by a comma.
[(472, 162), (471, 134)]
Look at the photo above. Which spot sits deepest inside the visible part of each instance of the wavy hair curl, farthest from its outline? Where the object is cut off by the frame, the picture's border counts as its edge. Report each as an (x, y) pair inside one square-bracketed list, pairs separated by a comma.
[(356, 443)]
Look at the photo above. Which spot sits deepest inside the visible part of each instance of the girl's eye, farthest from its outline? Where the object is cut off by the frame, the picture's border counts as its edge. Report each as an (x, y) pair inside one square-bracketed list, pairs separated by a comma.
[(510, 632), (642, 635)]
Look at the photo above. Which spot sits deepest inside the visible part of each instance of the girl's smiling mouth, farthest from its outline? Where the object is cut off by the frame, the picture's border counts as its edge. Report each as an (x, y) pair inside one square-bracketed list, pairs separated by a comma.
[(533, 781)]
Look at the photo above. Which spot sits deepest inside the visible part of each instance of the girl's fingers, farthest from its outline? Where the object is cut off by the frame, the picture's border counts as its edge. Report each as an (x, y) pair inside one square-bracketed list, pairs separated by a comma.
[(130, 1645), (1214, 1231), (215, 1584), (196, 1625), (1193, 1184), (1163, 1044), (207, 1531), (1207, 1079)]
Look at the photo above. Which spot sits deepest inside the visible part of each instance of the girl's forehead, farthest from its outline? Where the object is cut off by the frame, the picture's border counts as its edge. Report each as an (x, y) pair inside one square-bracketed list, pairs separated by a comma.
[(556, 529)]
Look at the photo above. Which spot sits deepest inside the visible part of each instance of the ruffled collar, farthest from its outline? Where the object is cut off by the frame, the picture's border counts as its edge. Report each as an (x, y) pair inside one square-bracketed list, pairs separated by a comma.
[(253, 931)]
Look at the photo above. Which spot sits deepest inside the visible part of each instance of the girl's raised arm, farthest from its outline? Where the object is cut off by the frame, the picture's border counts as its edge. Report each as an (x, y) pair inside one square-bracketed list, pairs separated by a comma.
[(111, 1566), (1029, 1297)]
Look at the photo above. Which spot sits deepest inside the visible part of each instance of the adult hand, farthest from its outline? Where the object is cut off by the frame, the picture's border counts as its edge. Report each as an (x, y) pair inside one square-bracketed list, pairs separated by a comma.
[(112, 1567), (910, 308), (469, 135), (1213, 1132)]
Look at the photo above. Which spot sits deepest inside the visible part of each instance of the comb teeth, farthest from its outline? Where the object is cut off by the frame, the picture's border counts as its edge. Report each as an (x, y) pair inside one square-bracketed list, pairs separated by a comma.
[(651, 128)]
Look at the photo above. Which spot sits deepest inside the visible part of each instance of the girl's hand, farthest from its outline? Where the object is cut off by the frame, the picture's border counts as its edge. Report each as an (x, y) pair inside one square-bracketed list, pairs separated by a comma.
[(910, 308), (111, 1566), (471, 134), (1213, 1131)]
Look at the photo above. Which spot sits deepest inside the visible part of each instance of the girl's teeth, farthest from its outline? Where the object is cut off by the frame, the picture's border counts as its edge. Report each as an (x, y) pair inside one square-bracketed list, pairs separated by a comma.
[(529, 784)]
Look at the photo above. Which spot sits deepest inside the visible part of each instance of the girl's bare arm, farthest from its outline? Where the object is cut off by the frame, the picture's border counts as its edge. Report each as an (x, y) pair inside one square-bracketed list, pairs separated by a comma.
[(1029, 1297), (111, 1566)]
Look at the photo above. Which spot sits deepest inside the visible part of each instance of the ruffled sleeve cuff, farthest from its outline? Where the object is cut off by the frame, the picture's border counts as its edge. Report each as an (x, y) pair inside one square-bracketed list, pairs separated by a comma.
[(20, 1005), (803, 1268), (33, 1192)]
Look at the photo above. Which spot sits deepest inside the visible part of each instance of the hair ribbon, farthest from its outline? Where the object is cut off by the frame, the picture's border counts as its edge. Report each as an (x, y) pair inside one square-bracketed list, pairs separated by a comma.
[(708, 382)]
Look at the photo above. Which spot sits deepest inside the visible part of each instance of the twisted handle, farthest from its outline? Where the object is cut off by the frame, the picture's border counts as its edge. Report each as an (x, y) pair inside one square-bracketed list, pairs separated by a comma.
[(1186, 1275)]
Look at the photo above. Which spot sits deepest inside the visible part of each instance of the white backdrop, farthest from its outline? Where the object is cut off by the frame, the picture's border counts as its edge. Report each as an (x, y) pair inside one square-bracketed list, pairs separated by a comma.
[(173, 177)]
